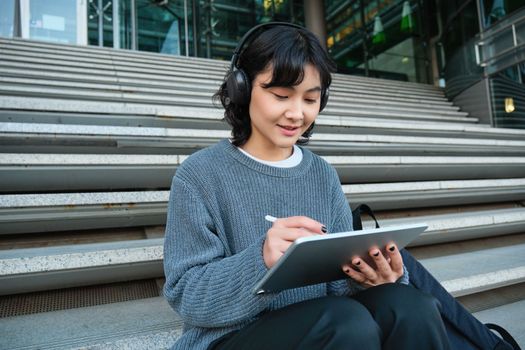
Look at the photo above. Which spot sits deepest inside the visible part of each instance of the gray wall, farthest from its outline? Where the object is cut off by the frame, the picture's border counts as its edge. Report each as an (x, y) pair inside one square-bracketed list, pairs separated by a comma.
[(476, 101)]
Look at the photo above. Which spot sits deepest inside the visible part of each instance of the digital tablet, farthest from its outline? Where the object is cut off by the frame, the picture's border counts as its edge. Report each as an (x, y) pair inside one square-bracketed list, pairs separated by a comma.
[(317, 259)]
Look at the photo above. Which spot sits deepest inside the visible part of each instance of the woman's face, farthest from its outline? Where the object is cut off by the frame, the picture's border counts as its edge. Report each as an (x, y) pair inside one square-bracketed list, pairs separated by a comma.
[(280, 115)]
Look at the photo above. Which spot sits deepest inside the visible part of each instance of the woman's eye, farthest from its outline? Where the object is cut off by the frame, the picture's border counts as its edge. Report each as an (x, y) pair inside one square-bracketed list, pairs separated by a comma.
[(310, 100), (280, 97)]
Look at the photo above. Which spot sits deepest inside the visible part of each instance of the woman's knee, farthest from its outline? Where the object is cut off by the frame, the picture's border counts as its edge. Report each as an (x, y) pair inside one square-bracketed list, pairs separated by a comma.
[(341, 322), (412, 302), (396, 295), (406, 316), (394, 303)]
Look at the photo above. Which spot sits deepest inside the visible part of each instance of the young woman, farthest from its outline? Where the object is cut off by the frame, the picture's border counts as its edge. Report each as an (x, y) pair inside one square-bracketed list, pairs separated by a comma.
[(218, 244)]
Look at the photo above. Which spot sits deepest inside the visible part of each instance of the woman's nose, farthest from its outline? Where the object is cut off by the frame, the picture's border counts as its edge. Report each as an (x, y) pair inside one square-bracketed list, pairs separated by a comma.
[(294, 111)]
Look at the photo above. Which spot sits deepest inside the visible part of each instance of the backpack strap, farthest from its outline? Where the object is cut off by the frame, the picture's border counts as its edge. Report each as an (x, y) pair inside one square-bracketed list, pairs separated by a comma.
[(504, 334), (356, 216)]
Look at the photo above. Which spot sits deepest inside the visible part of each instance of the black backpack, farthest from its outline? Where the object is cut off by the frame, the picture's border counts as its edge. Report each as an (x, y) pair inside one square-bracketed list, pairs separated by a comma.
[(465, 332)]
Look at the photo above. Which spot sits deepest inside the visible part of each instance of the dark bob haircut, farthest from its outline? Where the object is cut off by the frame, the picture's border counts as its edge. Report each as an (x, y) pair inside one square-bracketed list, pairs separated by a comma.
[(287, 50)]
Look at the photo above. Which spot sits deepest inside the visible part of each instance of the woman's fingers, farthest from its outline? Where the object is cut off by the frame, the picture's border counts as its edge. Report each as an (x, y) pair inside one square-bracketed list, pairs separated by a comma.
[(284, 232), (288, 234), (353, 274), (368, 272), (396, 261), (387, 268), (383, 267), (301, 222)]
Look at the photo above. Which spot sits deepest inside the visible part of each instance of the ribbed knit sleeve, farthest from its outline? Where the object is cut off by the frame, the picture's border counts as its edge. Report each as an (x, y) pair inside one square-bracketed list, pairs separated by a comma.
[(204, 285)]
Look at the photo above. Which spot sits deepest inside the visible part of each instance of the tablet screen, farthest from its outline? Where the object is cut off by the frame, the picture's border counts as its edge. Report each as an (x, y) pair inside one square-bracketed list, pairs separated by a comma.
[(318, 259)]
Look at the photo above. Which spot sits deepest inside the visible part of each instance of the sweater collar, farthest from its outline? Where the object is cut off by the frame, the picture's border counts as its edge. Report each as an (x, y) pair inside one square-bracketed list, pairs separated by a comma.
[(295, 171)]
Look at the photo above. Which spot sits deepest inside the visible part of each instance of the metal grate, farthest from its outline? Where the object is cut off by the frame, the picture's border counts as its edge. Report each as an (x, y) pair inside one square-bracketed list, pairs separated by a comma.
[(63, 299)]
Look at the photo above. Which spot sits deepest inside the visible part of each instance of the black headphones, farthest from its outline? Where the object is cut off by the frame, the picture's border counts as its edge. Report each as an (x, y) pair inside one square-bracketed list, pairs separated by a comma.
[(238, 84)]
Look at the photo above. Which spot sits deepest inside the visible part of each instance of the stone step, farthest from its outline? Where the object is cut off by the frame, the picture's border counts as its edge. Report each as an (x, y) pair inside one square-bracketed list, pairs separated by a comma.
[(95, 51), (55, 111), (49, 212), (150, 323), (458, 226), (478, 271), (113, 92), (122, 61), (206, 88), (89, 74), (192, 80), (389, 83), (177, 86), (45, 268), (66, 172), (112, 70), (392, 97), (142, 56), (109, 63), (49, 138), (510, 316), (357, 169), (139, 324), (131, 58), (343, 85), (432, 194)]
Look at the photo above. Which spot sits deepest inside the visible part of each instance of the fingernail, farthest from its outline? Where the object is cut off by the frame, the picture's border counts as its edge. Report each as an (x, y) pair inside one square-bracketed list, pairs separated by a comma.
[(357, 262), (324, 229), (392, 248), (376, 254), (347, 270)]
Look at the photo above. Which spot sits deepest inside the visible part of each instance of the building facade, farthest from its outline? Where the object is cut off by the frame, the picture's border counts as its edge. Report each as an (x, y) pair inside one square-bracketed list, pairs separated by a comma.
[(475, 49)]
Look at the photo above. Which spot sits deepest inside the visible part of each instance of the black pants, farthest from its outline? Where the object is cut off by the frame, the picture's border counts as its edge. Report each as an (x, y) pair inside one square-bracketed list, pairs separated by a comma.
[(390, 316)]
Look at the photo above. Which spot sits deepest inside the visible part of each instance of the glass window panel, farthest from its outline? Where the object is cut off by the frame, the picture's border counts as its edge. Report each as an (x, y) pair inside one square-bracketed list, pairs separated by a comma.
[(161, 27), (7, 16), (53, 20), (520, 33), (498, 44), (496, 10), (103, 8)]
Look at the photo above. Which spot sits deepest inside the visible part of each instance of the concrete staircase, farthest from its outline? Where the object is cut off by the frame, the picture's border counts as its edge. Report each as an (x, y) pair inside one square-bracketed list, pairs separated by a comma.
[(91, 137)]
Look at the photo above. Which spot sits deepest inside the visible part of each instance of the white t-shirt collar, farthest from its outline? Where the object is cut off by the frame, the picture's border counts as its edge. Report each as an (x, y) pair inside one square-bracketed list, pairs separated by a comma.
[(294, 160)]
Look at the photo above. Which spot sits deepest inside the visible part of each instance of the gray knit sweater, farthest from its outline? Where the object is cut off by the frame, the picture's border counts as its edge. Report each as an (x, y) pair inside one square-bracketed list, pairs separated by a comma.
[(216, 228)]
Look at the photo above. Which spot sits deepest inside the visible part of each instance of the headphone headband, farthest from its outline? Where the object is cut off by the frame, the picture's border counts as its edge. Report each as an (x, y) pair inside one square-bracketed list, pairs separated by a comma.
[(247, 38), (238, 84)]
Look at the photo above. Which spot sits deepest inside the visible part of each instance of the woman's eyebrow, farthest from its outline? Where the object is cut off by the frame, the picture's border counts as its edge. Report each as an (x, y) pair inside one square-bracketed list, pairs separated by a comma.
[(314, 89)]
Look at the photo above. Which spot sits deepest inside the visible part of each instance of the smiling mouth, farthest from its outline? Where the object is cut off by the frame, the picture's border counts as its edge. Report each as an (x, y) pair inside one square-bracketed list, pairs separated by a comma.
[(291, 128)]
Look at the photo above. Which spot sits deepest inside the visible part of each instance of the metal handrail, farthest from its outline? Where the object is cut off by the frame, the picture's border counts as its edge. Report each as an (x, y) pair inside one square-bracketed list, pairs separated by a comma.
[(484, 58)]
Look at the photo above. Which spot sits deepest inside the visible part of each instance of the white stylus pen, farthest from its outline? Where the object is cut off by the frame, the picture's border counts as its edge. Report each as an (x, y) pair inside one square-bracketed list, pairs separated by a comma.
[(270, 218), (273, 218)]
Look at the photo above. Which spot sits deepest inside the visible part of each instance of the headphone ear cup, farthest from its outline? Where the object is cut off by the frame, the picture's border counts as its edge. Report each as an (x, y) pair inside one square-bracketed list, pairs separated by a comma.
[(238, 86), (324, 100)]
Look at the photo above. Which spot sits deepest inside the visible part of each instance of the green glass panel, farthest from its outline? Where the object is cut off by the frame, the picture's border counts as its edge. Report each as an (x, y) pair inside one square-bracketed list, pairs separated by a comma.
[(407, 22), (378, 36)]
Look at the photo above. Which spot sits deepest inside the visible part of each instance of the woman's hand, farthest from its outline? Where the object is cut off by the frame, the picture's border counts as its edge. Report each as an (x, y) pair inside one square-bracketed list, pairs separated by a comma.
[(388, 269), (284, 232)]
